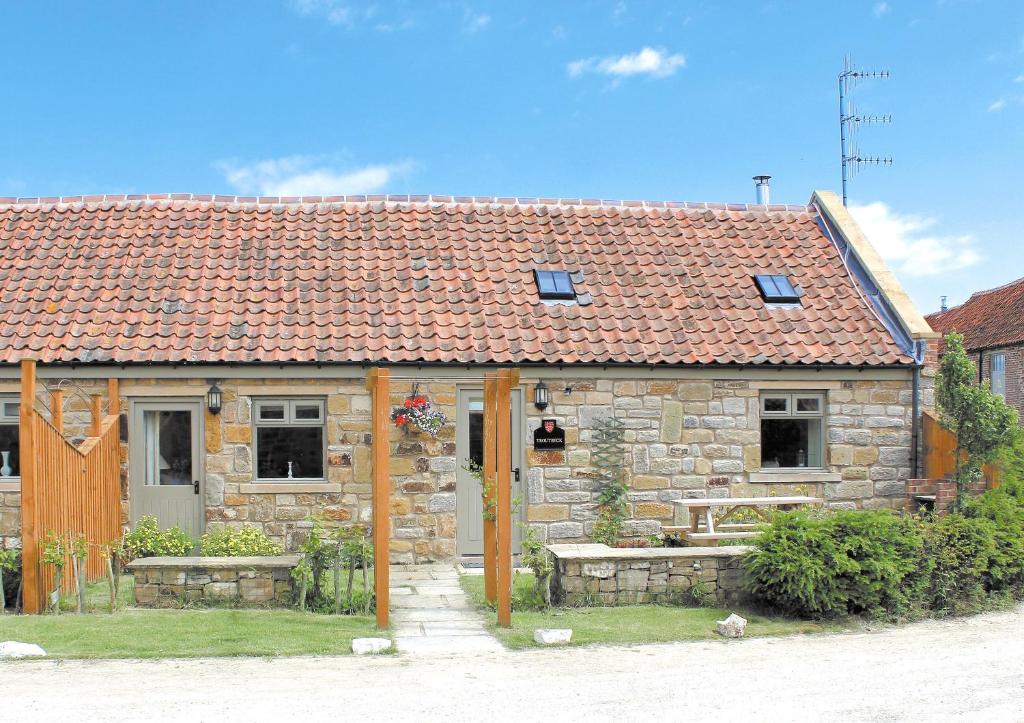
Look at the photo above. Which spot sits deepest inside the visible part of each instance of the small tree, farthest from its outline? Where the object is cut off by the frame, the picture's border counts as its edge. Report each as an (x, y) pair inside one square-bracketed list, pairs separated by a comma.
[(982, 421)]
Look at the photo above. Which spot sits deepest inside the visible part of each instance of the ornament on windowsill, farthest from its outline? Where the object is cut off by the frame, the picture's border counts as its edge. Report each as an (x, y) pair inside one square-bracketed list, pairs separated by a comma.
[(417, 411)]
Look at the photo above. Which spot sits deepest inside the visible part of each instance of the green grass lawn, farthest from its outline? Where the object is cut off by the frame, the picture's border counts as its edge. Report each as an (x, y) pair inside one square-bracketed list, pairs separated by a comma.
[(139, 633), (626, 624)]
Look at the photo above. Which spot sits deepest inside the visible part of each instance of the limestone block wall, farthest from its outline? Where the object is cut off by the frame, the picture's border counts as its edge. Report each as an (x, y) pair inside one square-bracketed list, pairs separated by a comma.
[(176, 581), (696, 438), (600, 575)]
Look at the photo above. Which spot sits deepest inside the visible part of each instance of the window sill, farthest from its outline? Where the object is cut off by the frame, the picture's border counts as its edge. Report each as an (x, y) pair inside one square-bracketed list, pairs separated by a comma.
[(256, 488), (10, 484), (794, 476)]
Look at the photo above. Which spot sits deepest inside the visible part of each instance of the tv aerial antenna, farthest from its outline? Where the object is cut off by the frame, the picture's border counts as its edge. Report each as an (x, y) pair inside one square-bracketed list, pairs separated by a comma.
[(850, 120)]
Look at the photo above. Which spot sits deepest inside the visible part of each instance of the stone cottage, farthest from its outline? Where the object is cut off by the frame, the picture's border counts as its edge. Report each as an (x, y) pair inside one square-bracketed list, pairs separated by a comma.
[(746, 349)]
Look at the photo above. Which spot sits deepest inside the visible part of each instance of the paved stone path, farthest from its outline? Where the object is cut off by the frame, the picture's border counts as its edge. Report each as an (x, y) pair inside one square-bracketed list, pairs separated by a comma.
[(431, 615)]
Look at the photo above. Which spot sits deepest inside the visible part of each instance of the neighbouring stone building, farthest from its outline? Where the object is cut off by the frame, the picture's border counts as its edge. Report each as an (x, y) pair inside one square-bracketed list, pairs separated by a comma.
[(739, 353)]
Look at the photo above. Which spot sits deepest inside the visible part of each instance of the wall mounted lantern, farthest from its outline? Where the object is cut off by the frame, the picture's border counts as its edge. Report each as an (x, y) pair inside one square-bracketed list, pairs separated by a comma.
[(541, 396), (214, 399)]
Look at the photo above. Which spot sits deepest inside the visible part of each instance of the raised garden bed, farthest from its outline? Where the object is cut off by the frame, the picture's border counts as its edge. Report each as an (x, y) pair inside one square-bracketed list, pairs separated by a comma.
[(171, 581), (602, 575)]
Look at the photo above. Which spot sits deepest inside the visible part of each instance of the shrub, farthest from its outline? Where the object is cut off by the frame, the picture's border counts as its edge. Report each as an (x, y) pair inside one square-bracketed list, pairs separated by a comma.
[(148, 540), (852, 562), (246, 542), (1004, 508), (961, 551)]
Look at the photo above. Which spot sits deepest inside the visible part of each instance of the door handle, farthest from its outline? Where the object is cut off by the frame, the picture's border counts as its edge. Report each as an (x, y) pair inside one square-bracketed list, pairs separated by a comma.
[(515, 473), (195, 486)]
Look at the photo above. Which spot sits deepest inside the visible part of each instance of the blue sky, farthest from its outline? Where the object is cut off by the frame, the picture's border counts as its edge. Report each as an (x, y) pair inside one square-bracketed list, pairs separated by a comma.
[(619, 99)]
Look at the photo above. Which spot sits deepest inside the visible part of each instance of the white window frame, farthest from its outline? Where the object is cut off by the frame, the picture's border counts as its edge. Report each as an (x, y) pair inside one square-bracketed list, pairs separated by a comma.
[(792, 413), (997, 363), (290, 420), (9, 420)]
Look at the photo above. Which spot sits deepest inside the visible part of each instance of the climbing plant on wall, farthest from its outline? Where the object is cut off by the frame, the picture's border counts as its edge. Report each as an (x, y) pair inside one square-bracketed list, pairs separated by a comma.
[(608, 457)]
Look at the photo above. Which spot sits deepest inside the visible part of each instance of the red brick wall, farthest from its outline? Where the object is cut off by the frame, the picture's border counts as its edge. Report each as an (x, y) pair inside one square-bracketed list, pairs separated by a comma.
[(1014, 373)]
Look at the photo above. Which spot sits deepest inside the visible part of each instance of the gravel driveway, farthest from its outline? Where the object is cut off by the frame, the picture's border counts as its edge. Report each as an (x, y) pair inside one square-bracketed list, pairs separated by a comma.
[(969, 669)]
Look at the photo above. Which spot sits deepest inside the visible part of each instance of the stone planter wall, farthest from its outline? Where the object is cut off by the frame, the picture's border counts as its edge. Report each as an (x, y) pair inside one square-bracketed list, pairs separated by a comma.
[(602, 575), (173, 581)]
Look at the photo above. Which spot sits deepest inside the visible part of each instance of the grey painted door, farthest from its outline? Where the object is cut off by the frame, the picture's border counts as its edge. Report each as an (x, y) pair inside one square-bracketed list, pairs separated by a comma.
[(469, 437), (165, 463)]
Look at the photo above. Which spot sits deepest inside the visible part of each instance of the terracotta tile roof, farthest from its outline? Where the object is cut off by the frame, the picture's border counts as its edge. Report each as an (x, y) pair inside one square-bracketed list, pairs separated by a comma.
[(988, 319), (183, 278)]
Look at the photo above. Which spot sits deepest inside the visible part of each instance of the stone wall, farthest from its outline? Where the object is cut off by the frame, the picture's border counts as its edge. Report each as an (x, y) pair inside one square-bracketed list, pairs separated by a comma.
[(174, 581), (601, 575), (698, 438), (685, 438), (422, 471), (10, 519)]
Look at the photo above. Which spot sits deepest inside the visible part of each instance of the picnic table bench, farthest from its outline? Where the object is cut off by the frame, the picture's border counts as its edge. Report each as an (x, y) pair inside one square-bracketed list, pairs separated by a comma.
[(708, 528)]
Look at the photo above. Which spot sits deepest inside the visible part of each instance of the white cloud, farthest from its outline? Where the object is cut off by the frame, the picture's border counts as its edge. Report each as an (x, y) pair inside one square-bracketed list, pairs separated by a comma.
[(656, 63), (308, 176), (1019, 78), (881, 9), (907, 243), (997, 105), (474, 22), (332, 11)]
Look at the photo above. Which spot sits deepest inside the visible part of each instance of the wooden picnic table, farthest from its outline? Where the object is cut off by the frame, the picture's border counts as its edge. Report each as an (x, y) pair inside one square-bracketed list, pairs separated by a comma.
[(715, 528)]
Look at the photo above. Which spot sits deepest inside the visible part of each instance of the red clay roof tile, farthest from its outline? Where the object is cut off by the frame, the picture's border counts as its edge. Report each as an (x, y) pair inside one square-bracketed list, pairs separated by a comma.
[(989, 319), (367, 279)]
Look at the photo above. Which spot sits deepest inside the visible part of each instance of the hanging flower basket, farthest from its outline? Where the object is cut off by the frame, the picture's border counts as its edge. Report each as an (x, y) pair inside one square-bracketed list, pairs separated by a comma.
[(417, 411)]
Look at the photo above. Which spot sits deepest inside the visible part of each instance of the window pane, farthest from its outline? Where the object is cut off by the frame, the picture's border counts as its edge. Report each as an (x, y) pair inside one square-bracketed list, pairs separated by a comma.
[(9, 465), (476, 436), (562, 283), (784, 287), (998, 374), (290, 452), (776, 404), (791, 443), (168, 445), (307, 411), (808, 404), (11, 409), (271, 411)]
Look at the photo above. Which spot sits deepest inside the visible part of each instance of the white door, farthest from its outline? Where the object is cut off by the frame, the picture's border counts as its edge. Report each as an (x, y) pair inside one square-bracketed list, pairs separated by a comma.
[(469, 445), (165, 463)]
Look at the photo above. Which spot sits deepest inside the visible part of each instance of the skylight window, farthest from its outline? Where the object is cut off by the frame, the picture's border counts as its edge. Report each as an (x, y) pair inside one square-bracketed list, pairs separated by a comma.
[(554, 284), (776, 289)]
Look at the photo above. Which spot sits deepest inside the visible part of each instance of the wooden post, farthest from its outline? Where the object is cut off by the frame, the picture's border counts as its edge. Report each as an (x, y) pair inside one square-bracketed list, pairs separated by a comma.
[(506, 379), (379, 386), (490, 465), (113, 398), (31, 588), (97, 415), (57, 409)]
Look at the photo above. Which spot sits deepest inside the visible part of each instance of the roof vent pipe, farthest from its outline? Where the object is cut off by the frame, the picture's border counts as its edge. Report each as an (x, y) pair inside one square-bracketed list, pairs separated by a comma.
[(942, 303), (763, 193)]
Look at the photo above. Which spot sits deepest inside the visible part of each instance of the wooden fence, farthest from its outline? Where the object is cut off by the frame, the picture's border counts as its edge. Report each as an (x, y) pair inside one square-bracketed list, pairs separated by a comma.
[(938, 447), (66, 489)]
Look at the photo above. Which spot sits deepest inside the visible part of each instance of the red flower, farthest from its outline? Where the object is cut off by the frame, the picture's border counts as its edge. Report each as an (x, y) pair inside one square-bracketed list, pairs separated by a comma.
[(407, 403), (401, 419), (419, 401)]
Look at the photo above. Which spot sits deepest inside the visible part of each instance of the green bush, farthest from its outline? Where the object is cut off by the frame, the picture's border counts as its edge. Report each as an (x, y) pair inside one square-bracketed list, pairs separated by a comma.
[(820, 565), (246, 542), (1004, 508), (148, 540), (961, 552)]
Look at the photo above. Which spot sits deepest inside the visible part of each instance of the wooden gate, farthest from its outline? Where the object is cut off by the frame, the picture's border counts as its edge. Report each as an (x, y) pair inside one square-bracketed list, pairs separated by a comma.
[(938, 447), (66, 489)]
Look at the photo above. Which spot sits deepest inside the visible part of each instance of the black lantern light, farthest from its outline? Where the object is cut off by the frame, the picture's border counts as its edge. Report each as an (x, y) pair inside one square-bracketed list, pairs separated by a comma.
[(541, 396), (214, 399)]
